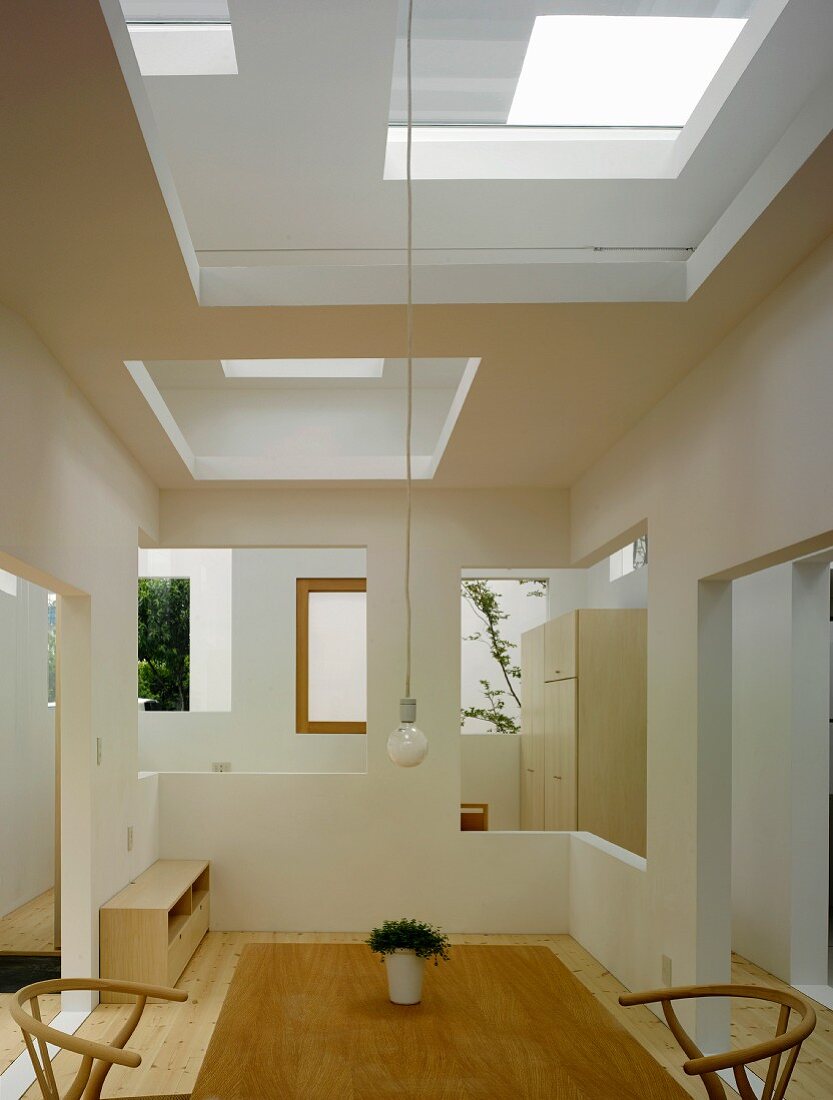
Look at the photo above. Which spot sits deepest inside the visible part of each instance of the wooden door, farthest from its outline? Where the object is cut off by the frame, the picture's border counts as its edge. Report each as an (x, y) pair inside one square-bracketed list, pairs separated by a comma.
[(560, 755), (560, 647), (532, 729)]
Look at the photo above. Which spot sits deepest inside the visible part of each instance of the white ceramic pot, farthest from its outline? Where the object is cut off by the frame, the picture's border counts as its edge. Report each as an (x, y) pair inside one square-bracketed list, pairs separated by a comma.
[(405, 971)]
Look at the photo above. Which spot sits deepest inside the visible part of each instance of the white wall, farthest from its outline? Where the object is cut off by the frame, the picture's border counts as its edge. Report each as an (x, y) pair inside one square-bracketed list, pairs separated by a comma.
[(761, 736), (257, 731), (726, 471), (631, 590), (27, 750), (490, 772), (344, 851), (780, 695), (71, 505)]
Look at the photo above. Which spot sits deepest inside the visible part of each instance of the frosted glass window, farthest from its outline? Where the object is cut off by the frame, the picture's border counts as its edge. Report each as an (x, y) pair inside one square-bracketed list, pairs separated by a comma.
[(331, 655), (337, 690)]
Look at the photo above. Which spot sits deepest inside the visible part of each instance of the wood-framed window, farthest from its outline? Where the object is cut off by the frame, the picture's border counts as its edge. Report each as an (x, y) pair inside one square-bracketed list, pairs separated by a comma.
[(331, 655)]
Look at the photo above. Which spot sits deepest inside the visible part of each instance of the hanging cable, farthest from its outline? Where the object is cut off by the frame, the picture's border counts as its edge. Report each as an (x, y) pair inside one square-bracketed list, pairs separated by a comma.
[(408, 746), (409, 321)]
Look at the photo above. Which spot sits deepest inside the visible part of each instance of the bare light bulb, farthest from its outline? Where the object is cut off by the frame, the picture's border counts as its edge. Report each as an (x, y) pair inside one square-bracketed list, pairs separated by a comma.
[(407, 745)]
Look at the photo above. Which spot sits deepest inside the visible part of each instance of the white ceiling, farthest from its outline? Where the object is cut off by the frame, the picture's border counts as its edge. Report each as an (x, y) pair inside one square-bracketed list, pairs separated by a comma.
[(280, 171), (305, 428), (99, 259)]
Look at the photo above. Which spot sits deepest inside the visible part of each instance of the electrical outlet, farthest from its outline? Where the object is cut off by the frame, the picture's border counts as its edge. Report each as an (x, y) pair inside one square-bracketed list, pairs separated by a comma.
[(666, 971), (221, 766), (130, 838), (98, 751)]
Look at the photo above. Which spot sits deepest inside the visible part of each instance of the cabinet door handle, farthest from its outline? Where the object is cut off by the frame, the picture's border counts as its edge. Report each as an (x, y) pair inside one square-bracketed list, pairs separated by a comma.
[(531, 771), (556, 777)]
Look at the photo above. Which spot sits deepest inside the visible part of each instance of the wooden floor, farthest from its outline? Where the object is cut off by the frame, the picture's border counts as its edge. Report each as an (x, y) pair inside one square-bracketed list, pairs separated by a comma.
[(173, 1038), (28, 928)]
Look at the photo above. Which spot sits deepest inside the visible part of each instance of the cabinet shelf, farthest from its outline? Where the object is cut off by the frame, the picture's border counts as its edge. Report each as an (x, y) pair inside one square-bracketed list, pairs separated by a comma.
[(150, 930)]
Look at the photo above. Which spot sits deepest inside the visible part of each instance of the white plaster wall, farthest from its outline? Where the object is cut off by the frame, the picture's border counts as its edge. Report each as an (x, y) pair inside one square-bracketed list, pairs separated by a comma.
[(344, 851), (27, 750), (289, 423), (71, 505), (726, 471), (490, 769), (628, 591), (257, 733), (761, 761)]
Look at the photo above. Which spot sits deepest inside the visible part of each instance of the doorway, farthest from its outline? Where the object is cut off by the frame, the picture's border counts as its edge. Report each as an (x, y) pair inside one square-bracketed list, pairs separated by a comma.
[(30, 924), (781, 659)]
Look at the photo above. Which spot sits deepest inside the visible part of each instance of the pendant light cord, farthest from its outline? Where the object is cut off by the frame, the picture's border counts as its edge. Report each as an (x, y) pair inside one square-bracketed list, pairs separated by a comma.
[(409, 314)]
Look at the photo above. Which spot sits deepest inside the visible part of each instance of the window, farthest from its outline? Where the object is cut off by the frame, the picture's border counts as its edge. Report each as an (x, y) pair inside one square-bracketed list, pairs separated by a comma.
[(51, 645), (331, 655), (181, 37), (598, 70), (630, 557), (164, 642)]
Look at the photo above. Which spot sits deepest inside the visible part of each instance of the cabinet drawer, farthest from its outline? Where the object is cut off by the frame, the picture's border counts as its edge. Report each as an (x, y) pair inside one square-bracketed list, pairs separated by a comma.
[(186, 942), (560, 647)]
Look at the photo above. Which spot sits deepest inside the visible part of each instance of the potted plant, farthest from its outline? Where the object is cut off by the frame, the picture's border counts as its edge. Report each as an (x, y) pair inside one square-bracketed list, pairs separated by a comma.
[(404, 945)]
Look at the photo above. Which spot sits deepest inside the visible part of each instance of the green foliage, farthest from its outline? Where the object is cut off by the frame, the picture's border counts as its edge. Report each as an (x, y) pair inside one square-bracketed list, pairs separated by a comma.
[(426, 941), (485, 603), (165, 641)]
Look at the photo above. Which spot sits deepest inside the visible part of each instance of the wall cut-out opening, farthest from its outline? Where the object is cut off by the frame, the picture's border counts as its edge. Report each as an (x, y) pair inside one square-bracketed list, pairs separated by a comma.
[(244, 655), (553, 707)]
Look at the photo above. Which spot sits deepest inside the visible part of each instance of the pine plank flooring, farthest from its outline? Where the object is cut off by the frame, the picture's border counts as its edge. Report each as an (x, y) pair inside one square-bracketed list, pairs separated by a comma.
[(173, 1038), (28, 928)]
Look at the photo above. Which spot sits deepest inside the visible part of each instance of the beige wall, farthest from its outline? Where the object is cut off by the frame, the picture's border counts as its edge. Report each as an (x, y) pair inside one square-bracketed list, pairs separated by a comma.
[(71, 504), (732, 467), (345, 851)]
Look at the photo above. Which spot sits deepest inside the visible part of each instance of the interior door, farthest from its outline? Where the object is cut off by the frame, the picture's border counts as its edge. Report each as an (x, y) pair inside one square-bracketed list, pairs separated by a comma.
[(560, 752)]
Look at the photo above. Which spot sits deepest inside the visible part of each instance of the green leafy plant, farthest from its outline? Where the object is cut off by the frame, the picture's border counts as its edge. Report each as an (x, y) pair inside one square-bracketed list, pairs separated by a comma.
[(426, 941), (165, 641), (485, 603)]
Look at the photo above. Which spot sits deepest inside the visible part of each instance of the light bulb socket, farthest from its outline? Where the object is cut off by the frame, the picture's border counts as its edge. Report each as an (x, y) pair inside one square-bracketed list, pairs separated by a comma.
[(407, 710)]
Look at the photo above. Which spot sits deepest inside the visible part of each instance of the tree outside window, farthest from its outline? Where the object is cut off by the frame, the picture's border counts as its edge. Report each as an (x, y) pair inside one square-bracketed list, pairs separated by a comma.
[(164, 642)]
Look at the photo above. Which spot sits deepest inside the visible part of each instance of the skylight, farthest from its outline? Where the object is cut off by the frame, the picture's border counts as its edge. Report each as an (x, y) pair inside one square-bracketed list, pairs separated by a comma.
[(181, 37), (634, 71), (303, 368)]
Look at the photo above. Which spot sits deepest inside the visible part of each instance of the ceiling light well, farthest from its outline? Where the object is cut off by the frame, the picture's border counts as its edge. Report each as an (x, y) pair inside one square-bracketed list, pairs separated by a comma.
[(303, 368), (633, 71)]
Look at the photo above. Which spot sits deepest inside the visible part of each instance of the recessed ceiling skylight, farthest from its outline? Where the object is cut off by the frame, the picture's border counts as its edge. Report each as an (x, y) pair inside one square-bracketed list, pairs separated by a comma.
[(181, 37), (303, 368), (629, 71)]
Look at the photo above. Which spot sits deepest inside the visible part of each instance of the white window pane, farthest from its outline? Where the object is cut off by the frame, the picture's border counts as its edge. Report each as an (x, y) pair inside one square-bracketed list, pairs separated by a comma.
[(184, 49), (8, 583), (337, 656)]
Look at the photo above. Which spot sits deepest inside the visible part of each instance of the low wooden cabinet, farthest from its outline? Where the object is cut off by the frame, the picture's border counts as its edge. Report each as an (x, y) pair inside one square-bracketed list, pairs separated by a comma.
[(150, 930), (584, 725)]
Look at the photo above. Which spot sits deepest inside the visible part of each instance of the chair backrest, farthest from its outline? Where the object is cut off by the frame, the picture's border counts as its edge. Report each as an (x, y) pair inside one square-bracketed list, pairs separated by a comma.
[(96, 1058), (786, 1041)]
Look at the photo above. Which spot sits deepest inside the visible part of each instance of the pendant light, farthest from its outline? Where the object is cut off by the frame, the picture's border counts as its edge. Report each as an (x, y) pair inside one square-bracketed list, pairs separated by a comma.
[(408, 745)]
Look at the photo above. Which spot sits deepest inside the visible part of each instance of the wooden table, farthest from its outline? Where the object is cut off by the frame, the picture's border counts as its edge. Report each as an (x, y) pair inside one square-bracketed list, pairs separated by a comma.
[(313, 1021)]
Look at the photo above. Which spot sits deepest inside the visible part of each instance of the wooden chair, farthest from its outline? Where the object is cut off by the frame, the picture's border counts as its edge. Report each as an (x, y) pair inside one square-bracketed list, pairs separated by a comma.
[(783, 1042), (96, 1058)]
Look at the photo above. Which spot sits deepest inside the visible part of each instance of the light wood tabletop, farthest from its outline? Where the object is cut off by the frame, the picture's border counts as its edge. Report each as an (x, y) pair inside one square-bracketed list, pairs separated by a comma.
[(314, 1021)]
